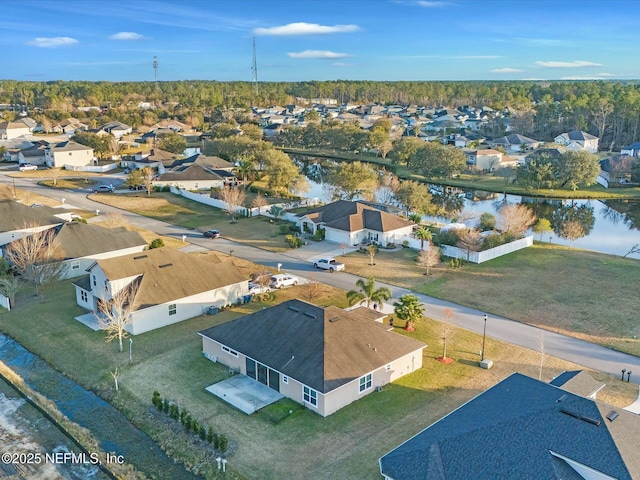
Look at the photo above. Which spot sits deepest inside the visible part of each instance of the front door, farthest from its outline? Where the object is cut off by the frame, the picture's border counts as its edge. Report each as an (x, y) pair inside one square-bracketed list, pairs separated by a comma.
[(262, 374)]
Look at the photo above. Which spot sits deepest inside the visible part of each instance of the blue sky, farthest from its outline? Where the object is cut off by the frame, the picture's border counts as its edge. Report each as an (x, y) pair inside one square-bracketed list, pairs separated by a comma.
[(320, 40)]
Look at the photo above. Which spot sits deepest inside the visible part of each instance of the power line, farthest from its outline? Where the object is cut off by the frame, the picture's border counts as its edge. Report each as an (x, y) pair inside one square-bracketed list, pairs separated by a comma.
[(254, 68)]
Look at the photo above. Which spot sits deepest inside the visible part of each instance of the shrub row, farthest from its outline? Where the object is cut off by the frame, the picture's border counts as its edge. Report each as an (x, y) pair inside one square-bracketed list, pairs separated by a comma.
[(219, 442)]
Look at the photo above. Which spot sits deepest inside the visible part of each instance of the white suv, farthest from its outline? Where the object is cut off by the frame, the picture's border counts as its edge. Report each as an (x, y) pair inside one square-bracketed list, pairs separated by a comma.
[(283, 280), (27, 166)]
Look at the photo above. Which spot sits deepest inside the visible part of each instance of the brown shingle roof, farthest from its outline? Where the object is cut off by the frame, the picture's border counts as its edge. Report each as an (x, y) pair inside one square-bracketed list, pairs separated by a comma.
[(168, 274), (354, 216), (323, 348), (76, 240), (15, 216)]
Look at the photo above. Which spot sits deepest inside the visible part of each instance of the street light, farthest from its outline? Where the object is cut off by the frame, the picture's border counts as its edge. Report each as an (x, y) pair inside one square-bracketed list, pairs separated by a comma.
[(130, 349), (629, 376), (622, 377), (484, 335)]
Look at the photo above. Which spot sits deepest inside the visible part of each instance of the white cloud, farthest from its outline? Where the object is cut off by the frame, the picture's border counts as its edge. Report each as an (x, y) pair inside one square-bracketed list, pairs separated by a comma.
[(506, 70), (126, 36), (574, 64), (317, 54), (51, 42), (430, 4), (597, 76), (302, 28)]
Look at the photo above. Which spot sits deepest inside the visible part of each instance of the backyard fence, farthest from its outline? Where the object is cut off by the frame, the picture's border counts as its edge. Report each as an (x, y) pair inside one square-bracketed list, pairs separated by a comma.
[(480, 257), (4, 302)]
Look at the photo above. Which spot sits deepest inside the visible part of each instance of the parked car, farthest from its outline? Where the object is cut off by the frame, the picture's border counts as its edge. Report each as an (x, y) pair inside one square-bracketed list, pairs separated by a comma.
[(137, 187), (211, 234), (104, 189), (27, 166), (282, 280), (255, 289), (330, 264)]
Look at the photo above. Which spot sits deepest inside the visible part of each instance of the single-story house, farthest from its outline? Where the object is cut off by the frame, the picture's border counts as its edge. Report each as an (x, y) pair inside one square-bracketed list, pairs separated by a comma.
[(115, 128), (632, 150), (514, 143), (322, 357), (17, 220), (617, 169), (197, 172), (68, 154), (79, 245), (69, 126), (154, 158), (577, 140), (522, 428), (169, 286), (484, 160), (353, 223)]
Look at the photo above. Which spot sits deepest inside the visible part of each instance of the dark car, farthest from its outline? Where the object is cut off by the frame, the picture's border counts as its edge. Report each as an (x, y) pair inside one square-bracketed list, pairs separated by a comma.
[(211, 234), (137, 187), (104, 189)]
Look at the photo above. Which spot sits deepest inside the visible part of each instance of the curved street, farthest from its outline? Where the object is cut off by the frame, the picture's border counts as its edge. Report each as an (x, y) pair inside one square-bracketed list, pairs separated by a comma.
[(296, 262)]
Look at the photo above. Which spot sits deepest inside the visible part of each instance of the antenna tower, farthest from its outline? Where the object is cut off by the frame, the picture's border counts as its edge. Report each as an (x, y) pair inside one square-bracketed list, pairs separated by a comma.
[(155, 70), (254, 68)]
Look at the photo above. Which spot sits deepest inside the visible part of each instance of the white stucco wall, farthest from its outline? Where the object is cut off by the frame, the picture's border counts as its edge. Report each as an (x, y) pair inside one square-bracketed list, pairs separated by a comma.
[(7, 237)]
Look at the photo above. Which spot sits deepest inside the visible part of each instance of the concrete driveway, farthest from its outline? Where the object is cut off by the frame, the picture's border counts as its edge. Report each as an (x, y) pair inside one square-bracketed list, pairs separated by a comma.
[(312, 251)]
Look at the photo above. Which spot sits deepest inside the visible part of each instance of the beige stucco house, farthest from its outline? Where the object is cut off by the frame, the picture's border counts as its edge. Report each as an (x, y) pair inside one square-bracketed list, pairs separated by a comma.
[(9, 130), (68, 154), (484, 160), (322, 357), (577, 140), (169, 286)]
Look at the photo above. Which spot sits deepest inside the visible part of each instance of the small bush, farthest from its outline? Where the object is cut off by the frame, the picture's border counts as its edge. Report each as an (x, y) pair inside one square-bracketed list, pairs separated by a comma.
[(405, 244), (215, 440), (156, 243), (210, 435), (165, 405), (188, 423), (203, 433), (183, 416), (223, 443), (79, 220), (166, 188), (283, 229), (448, 237), (195, 427), (156, 400), (174, 411), (293, 241)]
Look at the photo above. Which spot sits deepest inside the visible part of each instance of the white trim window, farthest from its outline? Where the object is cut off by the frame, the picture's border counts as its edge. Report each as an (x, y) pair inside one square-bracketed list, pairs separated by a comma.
[(229, 351), (388, 367), (83, 296), (75, 265), (173, 309), (310, 396), (285, 379), (364, 383)]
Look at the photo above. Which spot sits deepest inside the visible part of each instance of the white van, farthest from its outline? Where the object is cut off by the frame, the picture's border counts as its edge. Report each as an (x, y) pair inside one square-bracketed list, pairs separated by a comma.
[(283, 280)]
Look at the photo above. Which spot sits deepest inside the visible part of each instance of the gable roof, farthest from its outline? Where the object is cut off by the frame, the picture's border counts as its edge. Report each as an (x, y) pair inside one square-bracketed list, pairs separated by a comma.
[(76, 240), (167, 274), (354, 216), (520, 428), (68, 146), (323, 348), (16, 216), (514, 139), (192, 172), (579, 135)]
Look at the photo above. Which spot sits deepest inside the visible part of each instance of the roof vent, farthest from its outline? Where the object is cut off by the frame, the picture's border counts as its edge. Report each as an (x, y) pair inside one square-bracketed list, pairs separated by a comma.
[(612, 415), (140, 256), (562, 398), (334, 319), (572, 413), (294, 309), (310, 315), (166, 265)]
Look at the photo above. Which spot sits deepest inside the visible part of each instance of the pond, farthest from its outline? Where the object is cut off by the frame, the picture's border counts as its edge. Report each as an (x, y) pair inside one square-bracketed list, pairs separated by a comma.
[(610, 226)]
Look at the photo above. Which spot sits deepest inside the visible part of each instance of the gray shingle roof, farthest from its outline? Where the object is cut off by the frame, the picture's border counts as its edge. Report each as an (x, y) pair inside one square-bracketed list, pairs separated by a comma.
[(511, 431), (323, 348), (15, 216), (76, 240)]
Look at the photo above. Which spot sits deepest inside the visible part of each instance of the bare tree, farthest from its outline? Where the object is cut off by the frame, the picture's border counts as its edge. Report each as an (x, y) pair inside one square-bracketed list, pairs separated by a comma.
[(114, 314), (114, 374), (258, 202), (114, 219), (469, 240), (515, 219), (635, 248), (147, 179), (446, 333), (234, 198), (55, 174), (388, 185), (311, 290), (34, 257), (430, 257), (571, 230), (542, 351), (601, 112), (372, 250)]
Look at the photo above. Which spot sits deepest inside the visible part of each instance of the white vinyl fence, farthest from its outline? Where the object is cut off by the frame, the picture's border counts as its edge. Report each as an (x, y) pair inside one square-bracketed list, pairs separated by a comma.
[(92, 168), (207, 200), (480, 257), (4, 302)]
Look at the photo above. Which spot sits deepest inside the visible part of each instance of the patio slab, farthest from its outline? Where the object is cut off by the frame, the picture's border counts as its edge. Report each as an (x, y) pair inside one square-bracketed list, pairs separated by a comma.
[(90, 320), (244, 393)]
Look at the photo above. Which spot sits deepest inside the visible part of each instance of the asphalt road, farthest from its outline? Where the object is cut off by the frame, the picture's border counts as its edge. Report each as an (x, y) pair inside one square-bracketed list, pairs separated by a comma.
[(556, 345)]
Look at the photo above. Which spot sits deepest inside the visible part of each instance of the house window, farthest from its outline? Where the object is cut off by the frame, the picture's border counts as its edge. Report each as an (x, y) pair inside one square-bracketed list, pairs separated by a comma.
[(75, 265), (172, 309), (229, 351), (83, 296), (310, 396), (365, 383), (106, 285), (388, 367), (95, 281), (285, 379)]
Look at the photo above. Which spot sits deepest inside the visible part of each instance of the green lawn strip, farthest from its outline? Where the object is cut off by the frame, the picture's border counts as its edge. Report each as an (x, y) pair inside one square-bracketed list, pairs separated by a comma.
[(346, 444), (574, 292), (68, 183), (256, 231)]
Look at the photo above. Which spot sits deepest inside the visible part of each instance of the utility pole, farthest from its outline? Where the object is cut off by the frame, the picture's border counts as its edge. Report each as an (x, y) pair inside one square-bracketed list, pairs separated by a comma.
[(254, 68), (155, 70)]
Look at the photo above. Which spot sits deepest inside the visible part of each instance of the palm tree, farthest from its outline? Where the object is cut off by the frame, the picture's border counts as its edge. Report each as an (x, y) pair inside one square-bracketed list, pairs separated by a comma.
[(423, 234), (367, 292), (245, 169), (409, 309), (415, 218)]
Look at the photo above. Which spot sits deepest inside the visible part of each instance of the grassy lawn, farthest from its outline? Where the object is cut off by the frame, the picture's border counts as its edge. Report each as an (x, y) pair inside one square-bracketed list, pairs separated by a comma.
[(574, 292), (256, 231), (68, 183), (345, 445)]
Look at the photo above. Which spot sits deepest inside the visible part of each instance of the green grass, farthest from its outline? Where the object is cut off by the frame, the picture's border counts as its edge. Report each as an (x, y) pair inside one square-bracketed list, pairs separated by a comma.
[(346, 444), (68, 183), (257, 231), (584, 294)]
